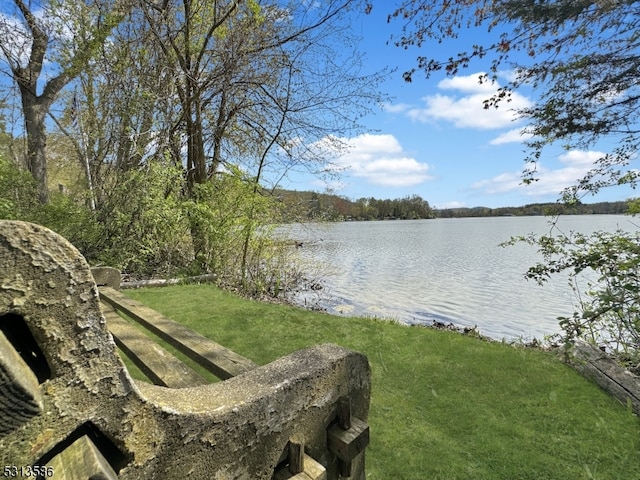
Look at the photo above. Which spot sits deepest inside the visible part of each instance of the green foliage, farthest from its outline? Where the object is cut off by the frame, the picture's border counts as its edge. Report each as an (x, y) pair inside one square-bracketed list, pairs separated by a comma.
[(213, 219), (18, 192), (634, 206), (145, 232), (63, 214), (603, 269), (229, 219), (72, 219), (147, 227), (256, 10)]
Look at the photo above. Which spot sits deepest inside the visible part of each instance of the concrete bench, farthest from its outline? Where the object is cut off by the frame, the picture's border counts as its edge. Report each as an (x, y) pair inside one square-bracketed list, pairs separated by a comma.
[(69, 408)]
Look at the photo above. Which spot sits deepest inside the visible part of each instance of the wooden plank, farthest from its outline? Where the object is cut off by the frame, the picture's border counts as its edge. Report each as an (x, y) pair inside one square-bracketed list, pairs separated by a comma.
[(296, 457), (344, 413), (160, 366), (81, 461), (346, 444), (20, 397), (220, 361), (610, 376), (312, 471)]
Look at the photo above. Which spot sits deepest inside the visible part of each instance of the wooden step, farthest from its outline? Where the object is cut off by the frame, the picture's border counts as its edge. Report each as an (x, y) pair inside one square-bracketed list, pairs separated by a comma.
[(312, 470)]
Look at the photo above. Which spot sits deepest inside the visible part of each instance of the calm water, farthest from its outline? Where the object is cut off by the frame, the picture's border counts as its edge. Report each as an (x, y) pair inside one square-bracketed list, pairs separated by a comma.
[(450, 270)]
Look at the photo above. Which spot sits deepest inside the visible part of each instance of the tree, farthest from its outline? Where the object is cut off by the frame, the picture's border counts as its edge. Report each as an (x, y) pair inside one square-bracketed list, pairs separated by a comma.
[(583, 57), (254, 73), (184, 122), (48, 34), (256, 83), (120, 112)]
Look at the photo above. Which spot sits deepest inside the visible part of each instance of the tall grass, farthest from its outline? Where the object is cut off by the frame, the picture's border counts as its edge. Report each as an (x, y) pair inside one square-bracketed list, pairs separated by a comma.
[(443, 406)]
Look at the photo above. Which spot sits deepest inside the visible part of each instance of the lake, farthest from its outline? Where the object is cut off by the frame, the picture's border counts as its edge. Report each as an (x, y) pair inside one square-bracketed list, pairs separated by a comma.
[(446, 270)]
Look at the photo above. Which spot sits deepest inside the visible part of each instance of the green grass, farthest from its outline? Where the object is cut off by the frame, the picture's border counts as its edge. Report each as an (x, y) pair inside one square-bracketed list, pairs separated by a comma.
[(443, 406)]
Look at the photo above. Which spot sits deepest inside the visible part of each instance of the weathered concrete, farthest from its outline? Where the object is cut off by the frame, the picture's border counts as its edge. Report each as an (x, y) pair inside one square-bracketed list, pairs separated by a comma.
[(107, 276), (236, 429)]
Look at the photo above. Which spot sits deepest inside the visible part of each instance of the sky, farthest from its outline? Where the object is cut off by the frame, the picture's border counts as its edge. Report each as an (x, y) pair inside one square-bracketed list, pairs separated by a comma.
[(434, 139)]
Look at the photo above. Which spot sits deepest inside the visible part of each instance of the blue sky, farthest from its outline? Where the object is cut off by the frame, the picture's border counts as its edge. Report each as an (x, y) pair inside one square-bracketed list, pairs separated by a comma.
[(435, 139)]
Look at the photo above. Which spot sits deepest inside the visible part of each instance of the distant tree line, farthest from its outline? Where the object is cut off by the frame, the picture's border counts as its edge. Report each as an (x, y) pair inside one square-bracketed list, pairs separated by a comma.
[(600, 208), (306, 206), (314, 206)]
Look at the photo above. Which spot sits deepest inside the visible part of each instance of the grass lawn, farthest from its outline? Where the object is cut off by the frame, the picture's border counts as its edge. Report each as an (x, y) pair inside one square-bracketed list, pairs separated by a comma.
[(443, 406)]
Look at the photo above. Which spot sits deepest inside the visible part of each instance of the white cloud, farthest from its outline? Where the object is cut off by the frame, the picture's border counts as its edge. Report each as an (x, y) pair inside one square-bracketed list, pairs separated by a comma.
[(505, 182), (396, 108), (392, 172), (378, 159), (510, 75), (581, 158), (575, 164), (517, 135), (465, 106), (451, 204), (467, 83)]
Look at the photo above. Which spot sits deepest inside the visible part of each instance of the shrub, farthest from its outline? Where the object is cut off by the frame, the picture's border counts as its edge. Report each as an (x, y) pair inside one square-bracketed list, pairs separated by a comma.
[(603, 269), (229, 220), (145, 232), (147, 226), (18, 192)]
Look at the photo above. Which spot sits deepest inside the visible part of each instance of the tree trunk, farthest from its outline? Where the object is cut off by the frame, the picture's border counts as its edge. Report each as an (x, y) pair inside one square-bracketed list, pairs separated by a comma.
[(196, 160), (34, 115)]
